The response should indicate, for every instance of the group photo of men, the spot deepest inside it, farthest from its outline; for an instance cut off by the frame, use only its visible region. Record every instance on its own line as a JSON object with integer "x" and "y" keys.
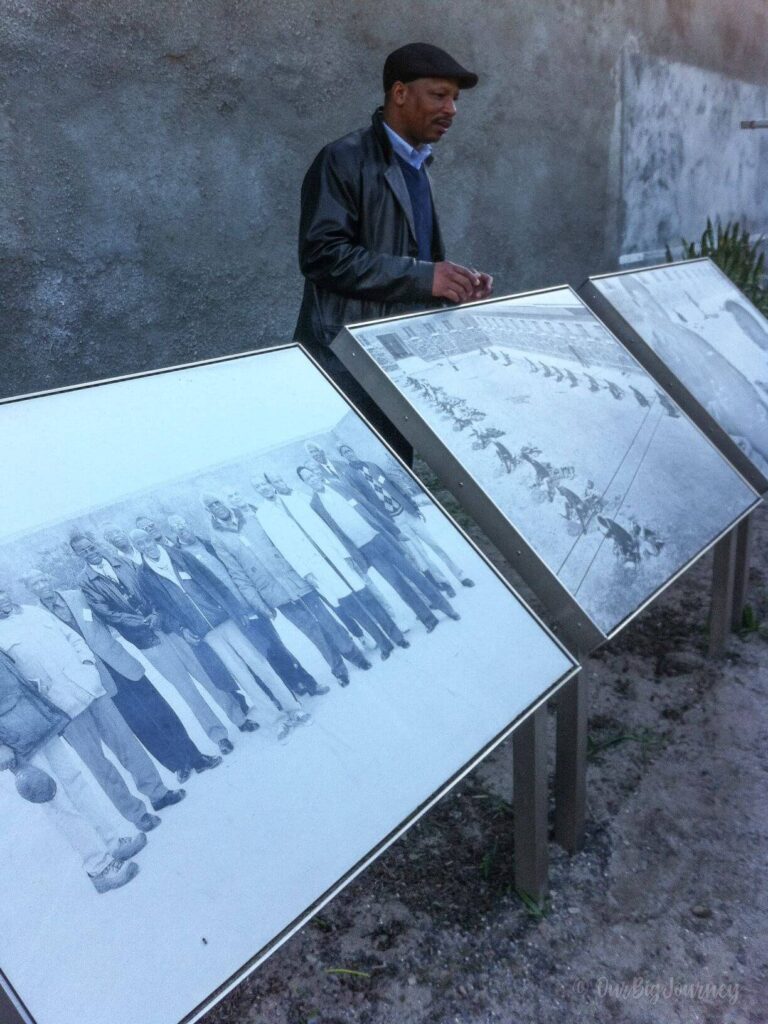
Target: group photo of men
{"x": 201, "y": 591}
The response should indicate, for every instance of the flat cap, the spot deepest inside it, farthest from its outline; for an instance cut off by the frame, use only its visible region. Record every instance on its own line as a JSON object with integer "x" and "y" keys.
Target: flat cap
{"x": 422, "y": 60}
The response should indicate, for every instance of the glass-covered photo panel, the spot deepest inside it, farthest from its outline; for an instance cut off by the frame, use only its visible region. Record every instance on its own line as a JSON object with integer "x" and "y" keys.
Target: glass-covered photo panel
{"x": 706, "y": 333}
{"x": 591, "y": 463}
{"x": 241, "y": 649}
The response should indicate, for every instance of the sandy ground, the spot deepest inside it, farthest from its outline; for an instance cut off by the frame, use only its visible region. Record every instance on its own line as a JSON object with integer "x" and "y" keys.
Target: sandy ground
{"x": 661, "y": 918}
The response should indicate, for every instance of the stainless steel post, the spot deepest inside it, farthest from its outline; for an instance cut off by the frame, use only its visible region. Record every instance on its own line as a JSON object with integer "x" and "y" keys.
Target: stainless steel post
{"x": 721, "y": 607}
{"x": 571, "y": 763}
{"x": 744, "y": 532}
{"x": 529, "y": 751}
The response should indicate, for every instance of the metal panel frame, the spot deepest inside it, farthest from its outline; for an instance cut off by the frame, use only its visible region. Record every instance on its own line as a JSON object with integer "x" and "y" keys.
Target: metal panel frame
{"x": 568, "y": 618}
{"x": 11, "y": 1003}
{"x": 603, "y": 308}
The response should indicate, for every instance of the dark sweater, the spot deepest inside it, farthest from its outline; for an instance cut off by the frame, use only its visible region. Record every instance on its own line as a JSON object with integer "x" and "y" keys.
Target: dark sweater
{"x": 421, "y": 204}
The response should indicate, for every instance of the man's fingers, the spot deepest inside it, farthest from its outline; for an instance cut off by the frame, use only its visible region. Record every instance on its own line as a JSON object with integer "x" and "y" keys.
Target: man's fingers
{"x": 464, "y": 285}
{"x": 470, "y": 275}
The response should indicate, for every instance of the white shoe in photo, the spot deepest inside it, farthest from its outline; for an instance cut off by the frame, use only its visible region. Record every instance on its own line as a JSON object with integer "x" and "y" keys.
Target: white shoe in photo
{"x": 116, "y": 874}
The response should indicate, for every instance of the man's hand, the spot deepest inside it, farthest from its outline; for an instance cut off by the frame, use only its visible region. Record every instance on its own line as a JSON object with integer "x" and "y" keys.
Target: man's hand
{"x": 312, "y": 581}
{"x": 189, "y": 636}
{"x": 458, "y": 284}
{"x": 485, "y": 288}
{"x": 7, "y": 758}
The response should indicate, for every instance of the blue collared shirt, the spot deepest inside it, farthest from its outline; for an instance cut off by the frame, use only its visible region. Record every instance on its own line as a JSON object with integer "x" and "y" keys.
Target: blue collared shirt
{"x": 414, "y": 157}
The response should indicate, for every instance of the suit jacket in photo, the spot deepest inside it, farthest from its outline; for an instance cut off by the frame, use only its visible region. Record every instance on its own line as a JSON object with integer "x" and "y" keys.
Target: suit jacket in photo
{"x": 53, "y": 657}
{"x": 261, "y": 573}
{"x": 199, "y": 604}
{"x": 119, "y": 604}
{"x": 109, "y": 652}
{"x": 374, "y": 520}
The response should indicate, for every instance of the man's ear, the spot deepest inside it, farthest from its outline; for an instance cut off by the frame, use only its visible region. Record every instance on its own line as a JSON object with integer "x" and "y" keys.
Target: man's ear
{"x": 397, "y": 93}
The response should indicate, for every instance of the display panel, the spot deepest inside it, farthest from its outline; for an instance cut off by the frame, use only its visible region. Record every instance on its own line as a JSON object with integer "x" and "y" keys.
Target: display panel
{"x": 703, "y": 330}
{"x": 531, "y": 406}
{"x": 184, "y": 556}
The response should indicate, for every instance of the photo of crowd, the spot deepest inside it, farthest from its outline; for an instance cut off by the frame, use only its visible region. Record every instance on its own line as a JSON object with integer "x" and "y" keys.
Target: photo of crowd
{"x": 169, "y": 652}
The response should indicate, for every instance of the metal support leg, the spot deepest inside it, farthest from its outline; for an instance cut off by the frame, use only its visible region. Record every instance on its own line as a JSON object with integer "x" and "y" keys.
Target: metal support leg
{"x": 721, "y": 608}
{"x": 744, "y": 533}
{"x": 571, "y": 763}
{"x": 529, "y": 751}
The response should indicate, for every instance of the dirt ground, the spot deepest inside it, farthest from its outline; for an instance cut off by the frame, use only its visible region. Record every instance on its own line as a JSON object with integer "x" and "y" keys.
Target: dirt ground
{"x": 662, "y": 918}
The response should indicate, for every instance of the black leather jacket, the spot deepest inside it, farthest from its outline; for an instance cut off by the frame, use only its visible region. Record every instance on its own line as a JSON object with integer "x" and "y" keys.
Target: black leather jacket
{"x": 357, "y": 244}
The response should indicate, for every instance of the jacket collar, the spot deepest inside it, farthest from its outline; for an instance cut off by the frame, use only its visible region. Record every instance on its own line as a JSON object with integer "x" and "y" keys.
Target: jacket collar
{"x": 380, "y": 133}
{"x": 393, "y": 175}
{"x": 116, "y": 563}
{"x": 233, "y": 525}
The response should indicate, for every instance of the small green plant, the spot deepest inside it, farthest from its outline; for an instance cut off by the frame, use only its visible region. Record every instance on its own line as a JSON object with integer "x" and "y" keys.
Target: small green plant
{"x": 737, "y": 255}
{"x": 537, "y": 909}
{"x": 751, "y": 625}
{"x": 648, "y": 740}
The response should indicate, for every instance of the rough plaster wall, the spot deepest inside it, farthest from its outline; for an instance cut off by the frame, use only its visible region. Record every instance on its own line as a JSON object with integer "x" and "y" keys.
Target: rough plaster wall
{"x": 152, "y": 154}
{"x": 683, "y": 158}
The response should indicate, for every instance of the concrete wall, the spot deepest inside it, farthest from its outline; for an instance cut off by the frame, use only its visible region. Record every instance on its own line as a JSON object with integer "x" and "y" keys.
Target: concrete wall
{"x": 152, "y": 154}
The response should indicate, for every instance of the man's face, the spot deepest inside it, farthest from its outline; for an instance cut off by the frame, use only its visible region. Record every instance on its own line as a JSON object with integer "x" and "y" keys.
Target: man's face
{"x": 265, "y": 489}
{"x": 87, "y": 550}
{"x": 219, "y": 510}
{"x": 347, "y": 453}
{"x": 185, "y": 534}
{"x": 236, "y": 500}
{"x": 6, "y": 604}
{"x": 316, "y": 452}
{"x": 312, "y": 477}
{"x": 279, "y": 484}
{"x": 150, "y": 526}
{"x": 148, "y": 546}
{"x": 117, "y": 538}
{"x": 42, "y": 587}
{"x": 426, "y": 108}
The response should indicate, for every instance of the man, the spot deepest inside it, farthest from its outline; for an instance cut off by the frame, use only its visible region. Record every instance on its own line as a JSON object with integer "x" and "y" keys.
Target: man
{"x": 191, "y": 601}
{"x": 57, "y": 662}
{"x": 373, "y": 547}
{"x": 397, "y": 499}
{"x": 121, "y": 543}
{"x": 335, "y": 475}
{"x": 318, "y": 555}
{"x": 109, "y": 586}
{"x": 369, "y": 239}
{"x": 150, "y": 526}
{"x": 30, "y": 728}
{"x": 269, "y": 584}
{"x": 258, "y": 627}
{"x": 100, "y": 721}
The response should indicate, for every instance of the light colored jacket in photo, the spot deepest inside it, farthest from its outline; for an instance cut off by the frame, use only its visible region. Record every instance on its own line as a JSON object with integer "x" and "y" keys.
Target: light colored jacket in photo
{"x": 53, "y": 657}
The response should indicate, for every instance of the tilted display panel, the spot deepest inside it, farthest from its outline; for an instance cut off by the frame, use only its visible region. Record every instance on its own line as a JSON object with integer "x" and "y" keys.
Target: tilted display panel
{"x": 584, "y": 472}
{"x": 184, "y": 553}
{"x": 707, "y": 344}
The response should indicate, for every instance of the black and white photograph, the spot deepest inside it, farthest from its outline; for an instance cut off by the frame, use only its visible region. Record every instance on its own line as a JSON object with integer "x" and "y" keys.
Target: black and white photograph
{"x": 709, "y": 335}
{"x": 597, "y": 468}
{"x": 240, "y": 646}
